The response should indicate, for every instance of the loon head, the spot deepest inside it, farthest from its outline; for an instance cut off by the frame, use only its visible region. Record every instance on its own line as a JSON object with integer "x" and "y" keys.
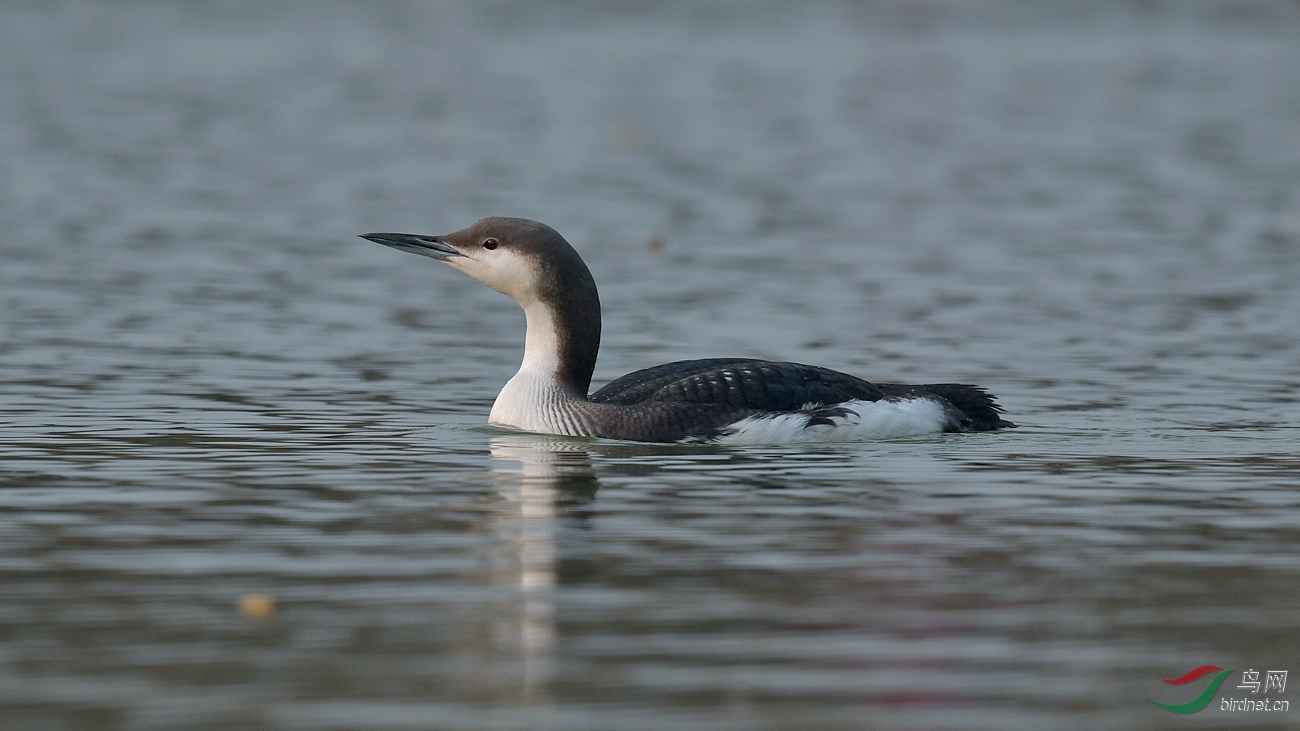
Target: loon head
{"x": 532, "y": 264}
{"x": 525, "y": 260}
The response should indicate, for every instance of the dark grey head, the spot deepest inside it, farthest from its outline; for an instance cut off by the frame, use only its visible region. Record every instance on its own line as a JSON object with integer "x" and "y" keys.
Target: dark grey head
{"x": 532, "y": 264}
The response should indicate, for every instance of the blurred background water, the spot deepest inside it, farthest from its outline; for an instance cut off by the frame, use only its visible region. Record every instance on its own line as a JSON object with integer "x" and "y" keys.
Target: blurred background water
{"x": 209, "y": 388}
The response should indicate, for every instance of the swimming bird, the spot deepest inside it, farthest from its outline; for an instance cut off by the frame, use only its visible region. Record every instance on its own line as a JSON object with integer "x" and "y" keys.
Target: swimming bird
{"x": 728, "y": 400}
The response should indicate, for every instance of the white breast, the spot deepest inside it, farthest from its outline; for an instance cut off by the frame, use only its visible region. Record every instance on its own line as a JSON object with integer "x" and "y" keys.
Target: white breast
{"x": 535, "y": 403}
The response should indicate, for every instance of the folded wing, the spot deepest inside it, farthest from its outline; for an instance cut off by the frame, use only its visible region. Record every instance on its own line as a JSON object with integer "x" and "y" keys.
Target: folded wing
{"x": 772, "y": 386}
{"x": 739, "y": 382}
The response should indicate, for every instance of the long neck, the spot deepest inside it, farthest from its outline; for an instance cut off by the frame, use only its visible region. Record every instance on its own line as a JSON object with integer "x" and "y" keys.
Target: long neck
{"x": 563, "y": 337}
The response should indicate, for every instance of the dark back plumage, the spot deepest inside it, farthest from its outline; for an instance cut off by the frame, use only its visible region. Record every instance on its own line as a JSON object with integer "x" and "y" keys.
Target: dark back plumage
{"x": 770, "y": 386}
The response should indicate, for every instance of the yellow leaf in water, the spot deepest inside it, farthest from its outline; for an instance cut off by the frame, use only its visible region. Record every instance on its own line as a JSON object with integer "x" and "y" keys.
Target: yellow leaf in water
{"x": 256, "y": 605}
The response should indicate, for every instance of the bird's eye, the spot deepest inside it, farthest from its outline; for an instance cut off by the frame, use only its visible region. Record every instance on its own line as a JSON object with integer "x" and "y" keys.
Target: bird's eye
{"x": 490, "y": 244}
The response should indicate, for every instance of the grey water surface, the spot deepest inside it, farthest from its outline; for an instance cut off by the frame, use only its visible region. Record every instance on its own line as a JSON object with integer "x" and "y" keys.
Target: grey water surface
{"x": 209, "y": 388}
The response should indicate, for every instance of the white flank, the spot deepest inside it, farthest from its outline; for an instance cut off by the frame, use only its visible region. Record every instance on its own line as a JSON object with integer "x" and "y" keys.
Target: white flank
{"x": 874, "y": 420}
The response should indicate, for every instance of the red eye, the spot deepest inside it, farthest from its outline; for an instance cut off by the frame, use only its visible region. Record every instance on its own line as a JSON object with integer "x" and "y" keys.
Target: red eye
{"x": 491, "y": 244}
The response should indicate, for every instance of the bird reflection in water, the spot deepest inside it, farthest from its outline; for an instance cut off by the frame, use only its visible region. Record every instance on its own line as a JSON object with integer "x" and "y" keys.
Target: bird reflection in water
{"x": 538, "y": 479}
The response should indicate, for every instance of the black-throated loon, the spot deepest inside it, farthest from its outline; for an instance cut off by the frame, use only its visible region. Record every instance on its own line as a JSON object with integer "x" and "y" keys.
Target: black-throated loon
{"x": 730, "y": 400}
